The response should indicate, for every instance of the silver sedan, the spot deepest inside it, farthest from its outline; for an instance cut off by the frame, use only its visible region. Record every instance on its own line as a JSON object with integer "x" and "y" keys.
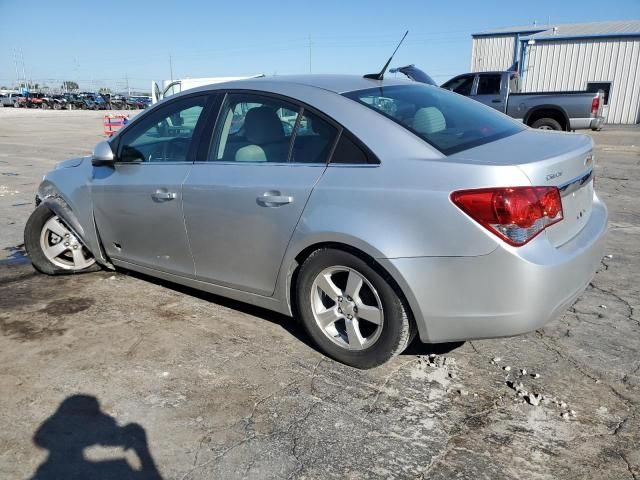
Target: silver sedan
{"x": 372, "y": 211}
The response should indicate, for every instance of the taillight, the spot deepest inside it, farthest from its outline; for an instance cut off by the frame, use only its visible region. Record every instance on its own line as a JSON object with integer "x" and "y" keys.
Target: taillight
{"x": 515, "y": 214}
{"x": 595, "y": 105}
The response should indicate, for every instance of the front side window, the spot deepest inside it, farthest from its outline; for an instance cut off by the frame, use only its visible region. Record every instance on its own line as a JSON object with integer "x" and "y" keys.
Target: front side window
{"x": 489, "y": 84}
{"x": 461, "y": 85}
{"x": 449, "y": 122}
{"x": 164, "y": 135}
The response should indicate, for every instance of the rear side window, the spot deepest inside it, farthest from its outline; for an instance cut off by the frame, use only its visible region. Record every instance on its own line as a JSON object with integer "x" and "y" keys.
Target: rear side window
{"x": 489, "y": 84}
{"x": 461, "y": 85}
{"x": 347, "y": 151}
{"x": 449, "y": 122}
{"x": 254, "y": 128}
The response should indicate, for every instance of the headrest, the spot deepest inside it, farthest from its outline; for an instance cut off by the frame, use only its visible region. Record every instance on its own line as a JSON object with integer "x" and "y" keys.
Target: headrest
{"x": 262, "y": 125}
{"x": 429, "y": 120}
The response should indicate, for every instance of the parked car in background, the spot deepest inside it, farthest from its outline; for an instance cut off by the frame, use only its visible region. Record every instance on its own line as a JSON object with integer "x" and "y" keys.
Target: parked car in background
{"x": 390, "y": 209}
{"x": 74, "y": 101}
{"x": 54, "y": 102}
{"x": 571, "y": 110}
{"x": 31, "y": 100}
{"x": 9, "y": 99}
{"x": 134, "y": 103}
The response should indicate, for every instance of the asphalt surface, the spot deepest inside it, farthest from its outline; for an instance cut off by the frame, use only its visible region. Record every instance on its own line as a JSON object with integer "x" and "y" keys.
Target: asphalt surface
{"x": 116, "y": 375}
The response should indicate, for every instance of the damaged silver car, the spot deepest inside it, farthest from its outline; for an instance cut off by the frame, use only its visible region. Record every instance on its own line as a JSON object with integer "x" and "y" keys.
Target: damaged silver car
{"x": 371, "y": 210}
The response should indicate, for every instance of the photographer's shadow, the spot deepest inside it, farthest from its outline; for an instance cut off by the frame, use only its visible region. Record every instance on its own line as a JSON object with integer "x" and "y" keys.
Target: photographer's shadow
{"x": 78, "y": 424}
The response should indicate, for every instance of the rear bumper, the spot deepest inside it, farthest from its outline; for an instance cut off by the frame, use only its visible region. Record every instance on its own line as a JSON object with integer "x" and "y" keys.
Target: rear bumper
{"x": 507, "y": 292}
{"x": 586, "y": 123}
{"x": 597, "y": 123}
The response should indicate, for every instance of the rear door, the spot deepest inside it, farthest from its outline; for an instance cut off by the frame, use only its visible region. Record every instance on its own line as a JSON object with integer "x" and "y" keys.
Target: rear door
{"x": 137, "y": 202}
{"x": 244, "y": 196}
{"x": 488, "y": 90}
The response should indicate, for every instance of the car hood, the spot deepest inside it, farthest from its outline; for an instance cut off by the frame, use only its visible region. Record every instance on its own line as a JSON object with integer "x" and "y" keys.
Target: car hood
{"x": 71, "y": 163}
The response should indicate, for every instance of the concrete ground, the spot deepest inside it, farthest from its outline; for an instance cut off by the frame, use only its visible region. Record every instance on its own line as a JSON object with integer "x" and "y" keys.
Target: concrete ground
{"x": 122, "y": 376}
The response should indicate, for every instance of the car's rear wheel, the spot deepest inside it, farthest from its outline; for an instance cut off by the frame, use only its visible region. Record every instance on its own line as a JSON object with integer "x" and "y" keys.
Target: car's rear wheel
{"x": 52, "y": 246}
{"x": 547, "y": 124}
{"x": 351, "y": 310}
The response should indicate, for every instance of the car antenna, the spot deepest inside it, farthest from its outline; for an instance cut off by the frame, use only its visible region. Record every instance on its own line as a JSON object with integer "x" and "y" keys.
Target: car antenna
{"x": 380, "y": 76}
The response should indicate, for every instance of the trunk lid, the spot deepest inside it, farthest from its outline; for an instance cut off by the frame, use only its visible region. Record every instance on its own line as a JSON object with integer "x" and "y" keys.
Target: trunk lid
{"x": 548, "y": 158}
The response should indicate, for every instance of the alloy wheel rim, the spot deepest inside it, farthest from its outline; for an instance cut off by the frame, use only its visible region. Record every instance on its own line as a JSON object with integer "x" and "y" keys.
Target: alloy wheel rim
{"x": 347, "y": 308}
{"x": 62, "y": 247}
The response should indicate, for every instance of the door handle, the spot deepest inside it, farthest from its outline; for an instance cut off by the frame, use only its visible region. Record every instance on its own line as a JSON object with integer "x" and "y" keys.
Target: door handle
{"x": 162, "y": 195}
{"x": 496, "y": 101}
{"x": 273, "y": 199}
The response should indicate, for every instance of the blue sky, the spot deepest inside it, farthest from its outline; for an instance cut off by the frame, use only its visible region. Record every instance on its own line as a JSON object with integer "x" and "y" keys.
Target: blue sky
{"x": 104, "y": 43}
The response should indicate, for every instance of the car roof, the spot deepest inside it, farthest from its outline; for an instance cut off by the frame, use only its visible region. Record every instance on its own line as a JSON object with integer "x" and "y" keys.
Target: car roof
{"x": 332, "y": 83}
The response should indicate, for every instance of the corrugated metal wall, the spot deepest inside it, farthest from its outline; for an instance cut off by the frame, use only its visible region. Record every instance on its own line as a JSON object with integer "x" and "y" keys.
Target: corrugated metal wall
{"x": 492, "y": 53}
{"x": 570, "y": 64}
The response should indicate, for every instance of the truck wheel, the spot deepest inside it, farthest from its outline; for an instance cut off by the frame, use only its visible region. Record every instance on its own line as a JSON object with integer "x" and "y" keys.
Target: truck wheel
{"x": 547, "y": 124}
{"x": 53, "y": 248}
{"x": 16, "y": 105}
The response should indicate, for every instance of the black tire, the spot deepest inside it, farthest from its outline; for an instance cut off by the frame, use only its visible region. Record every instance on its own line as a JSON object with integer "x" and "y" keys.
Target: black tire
{"x": 547, "y": 124}
{"x": 32, "y": 232}
{"x": 397, "y": 328}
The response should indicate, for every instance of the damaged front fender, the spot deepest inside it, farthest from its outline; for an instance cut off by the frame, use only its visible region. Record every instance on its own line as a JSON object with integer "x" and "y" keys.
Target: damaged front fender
{"x": 67, "y": 193}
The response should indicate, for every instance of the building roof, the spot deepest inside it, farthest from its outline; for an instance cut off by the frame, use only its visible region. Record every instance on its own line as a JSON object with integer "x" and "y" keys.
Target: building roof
{"x": 570, "y": 30}
{"x": 512, "y": 30}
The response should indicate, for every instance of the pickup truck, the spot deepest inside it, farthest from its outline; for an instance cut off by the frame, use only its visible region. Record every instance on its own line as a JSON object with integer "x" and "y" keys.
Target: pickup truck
{"x": 9, "y": 99}
{"x": 570, "y": 110}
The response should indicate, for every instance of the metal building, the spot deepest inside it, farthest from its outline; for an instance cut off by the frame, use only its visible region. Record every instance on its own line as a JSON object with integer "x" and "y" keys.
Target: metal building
{"x": 580, "y": 56}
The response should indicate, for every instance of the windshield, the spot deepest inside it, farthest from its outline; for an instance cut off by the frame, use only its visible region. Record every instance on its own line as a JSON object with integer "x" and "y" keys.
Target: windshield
{"x": 448, "y": 121}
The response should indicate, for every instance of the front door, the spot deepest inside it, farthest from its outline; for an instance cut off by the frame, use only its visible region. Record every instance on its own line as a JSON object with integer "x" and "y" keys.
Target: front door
{"x": 243, "y": 202}
{"x": 138, "y": 202}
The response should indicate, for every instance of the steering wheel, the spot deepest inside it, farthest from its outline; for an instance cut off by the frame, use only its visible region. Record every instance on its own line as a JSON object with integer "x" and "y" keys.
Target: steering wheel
{"x": 158, "y": 153}
{"x": 171, "y": 150}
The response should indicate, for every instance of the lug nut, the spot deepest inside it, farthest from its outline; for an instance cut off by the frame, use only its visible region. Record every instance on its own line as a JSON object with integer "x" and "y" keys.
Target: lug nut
{"x": 66, "y": 235}
{"x": 66, "y": 244}
{"x": 339, "y": 299}
{"x": 75, "y": 247}
{"x": 349, "y": 317}
{"x": 339, "y": 310}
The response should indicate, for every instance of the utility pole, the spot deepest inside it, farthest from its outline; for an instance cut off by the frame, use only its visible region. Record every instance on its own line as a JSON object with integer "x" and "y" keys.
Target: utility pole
{"x": 15, "y": 63}
{"x": 24, "y": 75}
{"x": 309, "y": 53}
{"x": 171, "y": 67}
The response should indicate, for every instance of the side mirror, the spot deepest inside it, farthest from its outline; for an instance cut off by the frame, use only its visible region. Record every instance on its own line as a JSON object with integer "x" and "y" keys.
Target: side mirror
{"x": 102, "y": 154}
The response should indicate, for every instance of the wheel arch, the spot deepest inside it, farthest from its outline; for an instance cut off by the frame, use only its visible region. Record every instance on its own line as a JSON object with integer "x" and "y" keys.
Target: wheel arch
{"x": 52, "y": 197}
{"x": 363, "y": 251}
{"x": 548, "y": 111}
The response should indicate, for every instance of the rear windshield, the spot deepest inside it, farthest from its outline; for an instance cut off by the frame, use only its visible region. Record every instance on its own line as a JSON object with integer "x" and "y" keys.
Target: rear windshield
{"x": 446, "y": 120}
